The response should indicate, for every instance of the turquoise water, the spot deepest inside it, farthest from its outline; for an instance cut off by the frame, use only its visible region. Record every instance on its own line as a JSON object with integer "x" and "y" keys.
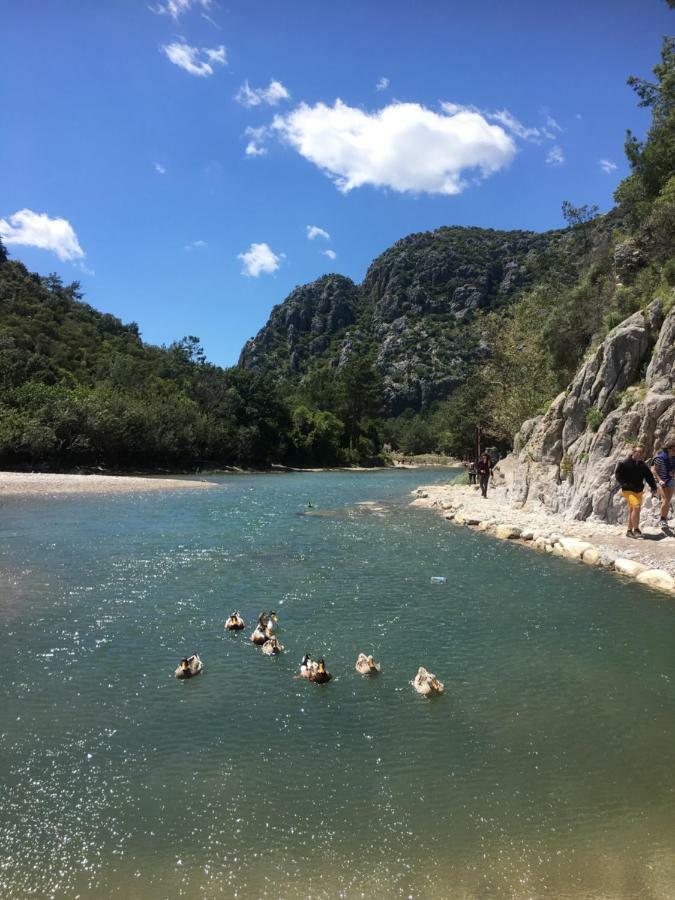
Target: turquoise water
{"x": 546, "y": 769}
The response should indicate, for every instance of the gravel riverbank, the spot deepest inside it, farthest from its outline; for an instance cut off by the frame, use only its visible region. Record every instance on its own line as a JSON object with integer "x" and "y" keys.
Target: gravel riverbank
{"x": 45, "y": 484}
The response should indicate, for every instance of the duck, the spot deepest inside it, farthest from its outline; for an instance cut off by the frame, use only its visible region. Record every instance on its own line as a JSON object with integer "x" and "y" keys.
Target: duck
{"x": 366, "y": 665}
{"x": 307, "y": 666}
{"x": 235, "y": 622}
{"x": 320, "y": 675}
{"x": 427, "y": 684}
{"x": 272, "y": 646}
{"x": 260, "y": 634}
{"x": 268, "y": 621}
{"x": 187, "y": 667}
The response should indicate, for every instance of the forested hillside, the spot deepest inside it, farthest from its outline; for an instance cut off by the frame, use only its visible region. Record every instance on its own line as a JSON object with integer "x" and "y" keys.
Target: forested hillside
{"x": 451, "y": 332}
{"x": 80, "y": 388}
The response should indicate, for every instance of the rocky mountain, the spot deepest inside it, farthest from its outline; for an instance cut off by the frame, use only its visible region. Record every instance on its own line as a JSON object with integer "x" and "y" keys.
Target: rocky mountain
{"x": 564, "y": 460}
{"x": 414, "y": 312}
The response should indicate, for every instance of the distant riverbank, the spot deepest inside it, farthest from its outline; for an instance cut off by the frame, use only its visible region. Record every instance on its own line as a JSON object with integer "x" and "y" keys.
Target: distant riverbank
{"x": 47, "y": 483}
{"x": 650, "y": 560}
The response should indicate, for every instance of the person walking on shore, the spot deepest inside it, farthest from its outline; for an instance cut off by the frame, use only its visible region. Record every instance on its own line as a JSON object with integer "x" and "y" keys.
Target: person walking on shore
{"x": 631, "y": 473}
{"x": 664, "y": 470}
{"x": 485, "y": 472}
{"x": 471, "y": 468}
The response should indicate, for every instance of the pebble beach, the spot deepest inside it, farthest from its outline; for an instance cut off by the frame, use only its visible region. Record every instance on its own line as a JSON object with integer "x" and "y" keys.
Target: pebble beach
{"x": 13, "y": 484}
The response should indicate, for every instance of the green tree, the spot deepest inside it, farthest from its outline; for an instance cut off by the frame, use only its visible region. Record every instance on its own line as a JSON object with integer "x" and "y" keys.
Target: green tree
{"x": 652, "y": 161}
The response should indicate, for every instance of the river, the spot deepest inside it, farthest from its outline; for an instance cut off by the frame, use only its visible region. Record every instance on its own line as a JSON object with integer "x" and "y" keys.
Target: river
{"x": 545, "y": 770}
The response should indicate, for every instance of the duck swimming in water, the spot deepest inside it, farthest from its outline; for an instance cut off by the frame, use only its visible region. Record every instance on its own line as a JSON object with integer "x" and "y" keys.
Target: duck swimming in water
{"x": 260, "y": 635}
{"x": 307, "y": 666}
{"x": 427, "y": 684}
{"x": 235, "y": 622}
{"x": 272, "y": 646}
{"x": 268, "y": 621}
{"x": 192, "y": 665}
{"x": 366, "y": 665}
{"x": 320, "y": 675}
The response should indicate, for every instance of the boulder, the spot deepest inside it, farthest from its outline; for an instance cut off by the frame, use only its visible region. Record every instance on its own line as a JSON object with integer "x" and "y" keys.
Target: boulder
{"x": 574, "y": 548}
{"x": 528, "y": 534}
{"x": 657, "y": 578}
{"x": 459, "y": 519}
{"x": 629, "y": 567}
{"x": 507, "y": 532}
{"x": 591, "y": 556}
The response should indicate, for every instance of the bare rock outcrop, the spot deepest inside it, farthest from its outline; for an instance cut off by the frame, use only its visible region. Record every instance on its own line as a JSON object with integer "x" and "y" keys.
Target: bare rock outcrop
{"x": 564, "y": 461}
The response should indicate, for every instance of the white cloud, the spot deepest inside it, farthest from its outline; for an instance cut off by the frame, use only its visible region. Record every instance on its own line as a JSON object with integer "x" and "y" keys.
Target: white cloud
{"x": 382, "y": 84}
{"x": 260, "y": 258}
{"x": 176, "y": 8}
{"x": 252, "y": 149}
{"x": 552, "y": 124}
{"x": 195, "y": 245}
{"x": 273, "y": 94}
{"x": 403, "y": 146}
{"x": 160, "y": 168}
{"x": 313, "y": 231}
{"x": 32, "y": 229}
{"x": 258, "y": 136}
{"x": 331, "y": 254}
{"x": 555, "y": 156}
{"x": 194, "y": 60}
{"x": 509, "y": 121}
{"x": 607, "y": 166}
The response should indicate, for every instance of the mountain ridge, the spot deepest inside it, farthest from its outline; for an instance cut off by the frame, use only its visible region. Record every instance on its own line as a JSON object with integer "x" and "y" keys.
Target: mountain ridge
{"x": 438, "y": 278}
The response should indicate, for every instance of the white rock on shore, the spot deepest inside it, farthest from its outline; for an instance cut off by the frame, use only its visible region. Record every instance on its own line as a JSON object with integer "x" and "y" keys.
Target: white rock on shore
{"x": 657, "y": 578}
{"x": 629, "y": 567}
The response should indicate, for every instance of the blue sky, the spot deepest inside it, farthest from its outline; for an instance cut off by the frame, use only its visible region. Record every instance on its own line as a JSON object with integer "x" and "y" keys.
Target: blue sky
{"x": 125, "y": 125}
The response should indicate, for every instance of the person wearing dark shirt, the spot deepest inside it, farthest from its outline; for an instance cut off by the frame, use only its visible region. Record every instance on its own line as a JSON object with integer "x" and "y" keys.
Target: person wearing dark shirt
{"x": 484, "y": 471}
{"x": 631, "y": 473}
{"x": 664, "y": 470}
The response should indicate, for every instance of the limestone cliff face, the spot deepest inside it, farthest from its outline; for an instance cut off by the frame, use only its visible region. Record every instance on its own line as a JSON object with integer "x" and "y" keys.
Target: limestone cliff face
{"x": 413, "y": 310}
{"x": 302, "y": 326}
{"x": 565, "y": 459}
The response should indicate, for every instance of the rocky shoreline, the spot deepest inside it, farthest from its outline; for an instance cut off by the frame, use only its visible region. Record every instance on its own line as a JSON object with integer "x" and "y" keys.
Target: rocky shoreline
{"x": 650, "y": 560}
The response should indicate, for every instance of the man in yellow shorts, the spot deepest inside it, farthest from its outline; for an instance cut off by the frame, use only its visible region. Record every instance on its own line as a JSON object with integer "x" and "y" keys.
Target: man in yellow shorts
{"x": 631, "y": 473}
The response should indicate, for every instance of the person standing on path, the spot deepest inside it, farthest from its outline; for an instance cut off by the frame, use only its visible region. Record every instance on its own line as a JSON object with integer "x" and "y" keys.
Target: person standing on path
{"x": 664, "y": 470}
{"x": 485, "y": 472}
{"x": 631, "y": 473}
